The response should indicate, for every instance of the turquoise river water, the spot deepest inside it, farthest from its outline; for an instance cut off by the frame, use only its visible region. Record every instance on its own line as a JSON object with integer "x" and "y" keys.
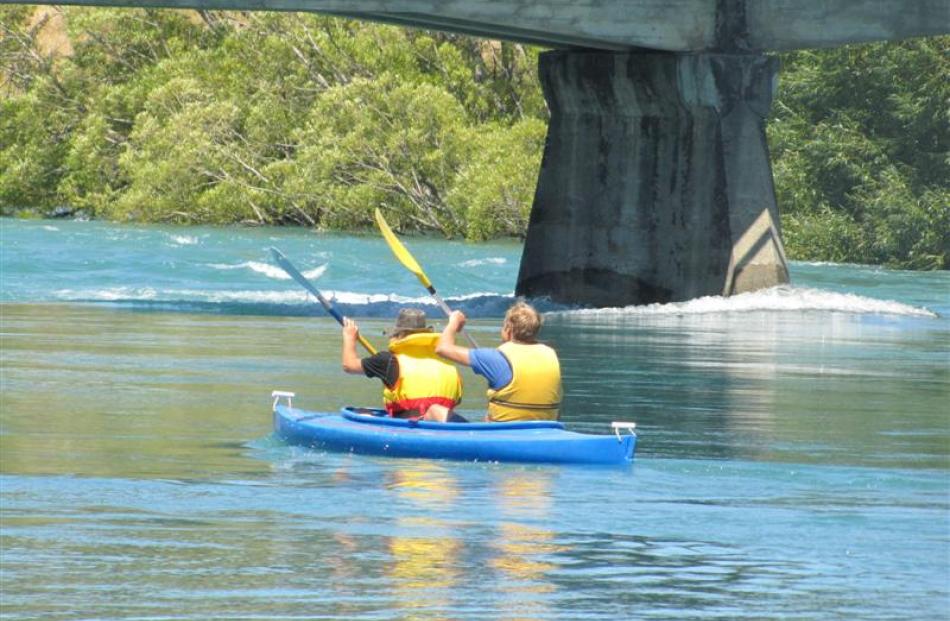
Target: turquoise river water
{"x": 793, "y": 458}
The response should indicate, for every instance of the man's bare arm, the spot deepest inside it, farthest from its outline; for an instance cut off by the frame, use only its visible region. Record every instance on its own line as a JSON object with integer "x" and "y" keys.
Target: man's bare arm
{"x": 446, "y": 346}
{"x": 351, "y": 360}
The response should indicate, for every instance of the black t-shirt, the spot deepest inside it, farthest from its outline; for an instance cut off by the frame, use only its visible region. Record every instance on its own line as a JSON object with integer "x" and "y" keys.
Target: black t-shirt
{"x": 383, "y": 365}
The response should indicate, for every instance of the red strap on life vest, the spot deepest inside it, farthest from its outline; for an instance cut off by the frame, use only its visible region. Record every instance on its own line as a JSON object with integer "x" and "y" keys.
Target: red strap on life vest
{"x": 400, "y": 408}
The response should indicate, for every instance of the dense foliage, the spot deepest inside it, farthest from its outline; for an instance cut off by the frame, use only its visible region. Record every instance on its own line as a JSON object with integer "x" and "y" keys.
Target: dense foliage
{"x": 860, "y": 141}
{"x": 178, "y": 116}
{"x": 218, "y": 117}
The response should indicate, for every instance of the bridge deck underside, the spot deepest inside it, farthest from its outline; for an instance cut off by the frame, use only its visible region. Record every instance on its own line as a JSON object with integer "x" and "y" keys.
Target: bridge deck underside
{"x": 615, "y": 25}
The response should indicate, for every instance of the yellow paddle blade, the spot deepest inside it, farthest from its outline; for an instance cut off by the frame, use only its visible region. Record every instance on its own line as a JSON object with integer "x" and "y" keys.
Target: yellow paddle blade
{"x": 400, "y": 251}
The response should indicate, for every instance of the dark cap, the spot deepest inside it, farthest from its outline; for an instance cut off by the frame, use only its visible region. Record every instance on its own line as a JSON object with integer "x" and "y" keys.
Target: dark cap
{"x": 409, "y": 320}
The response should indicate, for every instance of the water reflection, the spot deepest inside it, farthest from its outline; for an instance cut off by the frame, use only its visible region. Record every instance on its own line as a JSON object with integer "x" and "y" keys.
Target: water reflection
{"x": 427, "y": 484}
{"x": 522, "y": 546}
{"x": 424, "y": 553}
{"x": 663, "y": 578}
{"x": 810, "y": 387}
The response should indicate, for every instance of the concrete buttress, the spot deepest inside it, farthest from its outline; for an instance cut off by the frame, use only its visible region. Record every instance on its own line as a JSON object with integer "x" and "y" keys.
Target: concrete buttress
{"x": 655, "y": 185}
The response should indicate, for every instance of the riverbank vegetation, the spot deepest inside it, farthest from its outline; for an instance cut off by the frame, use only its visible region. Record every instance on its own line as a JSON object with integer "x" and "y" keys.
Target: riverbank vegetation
{"x": 275, "y": 118}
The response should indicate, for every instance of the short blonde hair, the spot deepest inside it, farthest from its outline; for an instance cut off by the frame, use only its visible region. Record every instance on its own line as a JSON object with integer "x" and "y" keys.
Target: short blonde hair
{"x": 523, "y": 321}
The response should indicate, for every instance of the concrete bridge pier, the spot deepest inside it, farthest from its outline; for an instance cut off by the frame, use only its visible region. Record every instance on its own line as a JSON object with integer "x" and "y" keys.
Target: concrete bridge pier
{"x": 655, "y": 184}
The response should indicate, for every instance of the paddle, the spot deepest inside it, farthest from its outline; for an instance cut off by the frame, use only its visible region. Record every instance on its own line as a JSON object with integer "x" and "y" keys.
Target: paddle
{"x": 402, "y": 254}
{"x": 292, "y": 271}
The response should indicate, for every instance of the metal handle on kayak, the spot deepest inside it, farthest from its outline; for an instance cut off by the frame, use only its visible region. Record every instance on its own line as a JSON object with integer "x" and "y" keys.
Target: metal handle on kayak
{"x": 617, "y": 426}
{"x": 277, "y": 394}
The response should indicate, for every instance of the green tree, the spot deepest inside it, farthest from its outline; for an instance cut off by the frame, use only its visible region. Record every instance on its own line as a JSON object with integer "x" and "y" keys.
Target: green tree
{"x": 38, "y": 112}
{"x": 860, "y": 142}
{"x": 495, "y": 187}
{"x": 382, "y": 143}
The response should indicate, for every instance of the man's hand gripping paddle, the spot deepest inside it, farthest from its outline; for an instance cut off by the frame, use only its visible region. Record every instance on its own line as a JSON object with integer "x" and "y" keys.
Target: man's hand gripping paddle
{"x": 404, "y": 257}
{"x": 292, "y": 271}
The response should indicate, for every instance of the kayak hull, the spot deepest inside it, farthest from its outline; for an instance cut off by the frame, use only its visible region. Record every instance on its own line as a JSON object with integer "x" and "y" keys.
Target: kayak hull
{"x": 368, "y": 431}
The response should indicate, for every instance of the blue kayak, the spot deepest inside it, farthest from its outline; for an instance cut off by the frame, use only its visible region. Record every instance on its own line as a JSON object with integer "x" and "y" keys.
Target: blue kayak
{"x": 370, "y": 431}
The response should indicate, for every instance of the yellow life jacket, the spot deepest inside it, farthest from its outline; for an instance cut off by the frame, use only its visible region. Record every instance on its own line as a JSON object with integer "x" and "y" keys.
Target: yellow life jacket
{"x": 534, "y": 392}
{"x": 424, "y": 378}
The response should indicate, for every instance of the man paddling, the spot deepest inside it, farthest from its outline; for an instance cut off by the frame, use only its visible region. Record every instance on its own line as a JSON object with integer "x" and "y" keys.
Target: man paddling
{"x": 524, "y": 376}
{"x": 417, "y": 384}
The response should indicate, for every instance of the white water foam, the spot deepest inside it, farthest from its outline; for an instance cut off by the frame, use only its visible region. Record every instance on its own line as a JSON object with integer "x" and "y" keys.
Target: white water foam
{"x": 271, "y": 271}
{"x": 47, "y": 227}
{"x": 488, "y": 261}
{"x": 111, "y": 294}
{"x": 141, "y": 294}
{"x": 350, "y": 297}
{"x": 251, "y": 296}
{"x": 247, "y": 296}
{"x": 877, "y": 268}
{"x": 184, "y": 240}
{"x": 820, "y": 264}
{"x": 358, "y": 304}
{"x": 776, "y": 299}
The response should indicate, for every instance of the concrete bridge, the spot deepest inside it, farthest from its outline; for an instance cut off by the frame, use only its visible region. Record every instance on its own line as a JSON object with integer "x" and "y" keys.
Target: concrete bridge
{"x": 655, "y": 184}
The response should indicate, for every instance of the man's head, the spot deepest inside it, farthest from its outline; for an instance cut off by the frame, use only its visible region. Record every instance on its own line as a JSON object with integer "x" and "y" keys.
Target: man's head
{"x": 522, "y": 323}
{"x": 409, "y": 321}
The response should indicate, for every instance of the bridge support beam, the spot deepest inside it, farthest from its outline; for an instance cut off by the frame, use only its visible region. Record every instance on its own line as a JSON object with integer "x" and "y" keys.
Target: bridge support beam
{"x": 655, "y": 184}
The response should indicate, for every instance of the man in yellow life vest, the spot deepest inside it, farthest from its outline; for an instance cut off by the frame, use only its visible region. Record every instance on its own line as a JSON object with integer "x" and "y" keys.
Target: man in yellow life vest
{"x": 524, "y": 376}
{"x": 417, "y": 383}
